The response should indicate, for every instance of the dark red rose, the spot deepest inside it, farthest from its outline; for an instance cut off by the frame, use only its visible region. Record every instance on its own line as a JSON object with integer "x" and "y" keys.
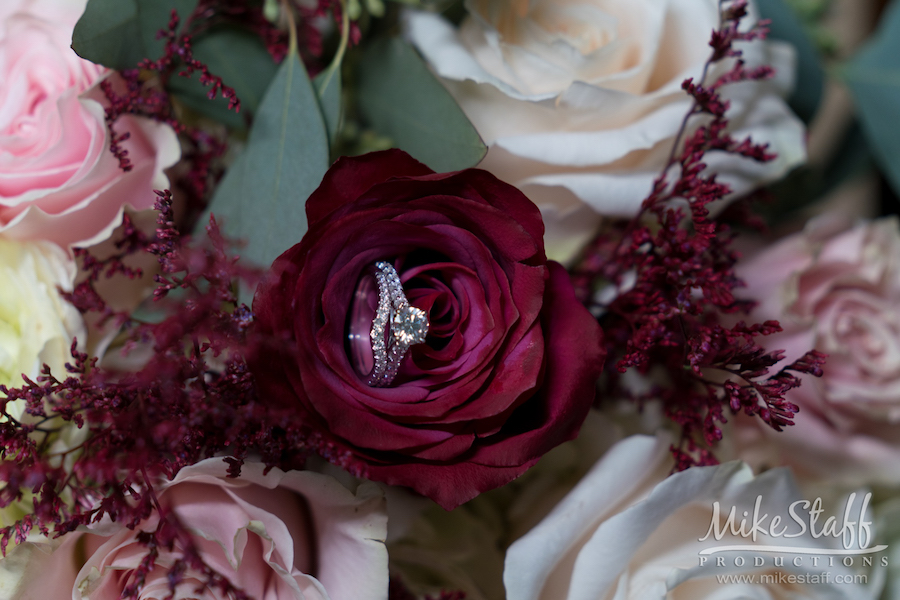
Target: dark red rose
{"x": 509, "y": 366}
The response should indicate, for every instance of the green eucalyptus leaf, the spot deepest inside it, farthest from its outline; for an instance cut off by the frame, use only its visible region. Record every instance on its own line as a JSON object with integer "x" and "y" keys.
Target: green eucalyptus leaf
{"x": 262, "y": 197}
{"x": 401, "y": 99}
{"x": 240, "y": 58}
{"x": 786, "y": 26}
{"x": 120, "y": 33}
{"x": 328, "y": 88}
{"x": 873, "y": 77}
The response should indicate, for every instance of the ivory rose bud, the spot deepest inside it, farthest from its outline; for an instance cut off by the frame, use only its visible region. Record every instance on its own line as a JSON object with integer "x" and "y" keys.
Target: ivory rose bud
{"x": 629, "y": 531}
{"x": 58, "y": 179}
{"x": 580, "y": 102}
{"x": 291, "y": 536}
{"x": 837, "y": 290}
{"x": 36, "y": 325}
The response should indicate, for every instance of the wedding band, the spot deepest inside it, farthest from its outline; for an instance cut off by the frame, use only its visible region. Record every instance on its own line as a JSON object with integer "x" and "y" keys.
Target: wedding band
{"x": 395, "y": 326}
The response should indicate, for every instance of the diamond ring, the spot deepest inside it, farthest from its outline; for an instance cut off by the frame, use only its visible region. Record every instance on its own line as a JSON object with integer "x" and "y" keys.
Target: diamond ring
{"x": 395, "y": 326}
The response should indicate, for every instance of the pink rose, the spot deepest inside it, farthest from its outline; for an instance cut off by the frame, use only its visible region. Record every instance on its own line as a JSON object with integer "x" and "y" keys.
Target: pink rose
{"x": 838, "y": 291}
{"x": 58, "y": 179}
{"x": 297, "y": 535}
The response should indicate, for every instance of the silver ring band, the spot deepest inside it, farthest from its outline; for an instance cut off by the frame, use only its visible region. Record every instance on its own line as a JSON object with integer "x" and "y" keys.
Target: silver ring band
{"x": 395, "y": 328}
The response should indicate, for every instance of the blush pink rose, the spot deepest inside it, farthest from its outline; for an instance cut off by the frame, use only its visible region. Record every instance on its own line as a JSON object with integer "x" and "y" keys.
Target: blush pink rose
{"x": 285, "y": 536}
{"x": 837, "y": 290}
{"x": 58, "y": 179}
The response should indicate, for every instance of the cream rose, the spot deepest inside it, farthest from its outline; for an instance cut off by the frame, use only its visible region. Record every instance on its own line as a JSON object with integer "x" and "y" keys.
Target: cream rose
{"x": 36, "y": 325}
{"x": 627, "y": 531}
{"x": 836, "y": 289}
{"x": 58, "y": 179}
{"x": 297, "y": 535}
{"x": 579, "y": 101}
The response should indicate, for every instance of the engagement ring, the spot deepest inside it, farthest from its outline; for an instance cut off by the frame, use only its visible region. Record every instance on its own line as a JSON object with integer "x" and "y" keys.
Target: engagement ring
{"x": 381, "y": 335}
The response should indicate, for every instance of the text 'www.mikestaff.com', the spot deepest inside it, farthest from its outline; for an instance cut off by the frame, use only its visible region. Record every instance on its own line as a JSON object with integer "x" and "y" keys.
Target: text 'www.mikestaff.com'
{"x": 794, "y": 578}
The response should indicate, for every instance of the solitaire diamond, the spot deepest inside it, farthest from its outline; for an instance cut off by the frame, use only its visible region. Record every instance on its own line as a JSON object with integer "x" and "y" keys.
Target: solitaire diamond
{"x": 409, "y": 325}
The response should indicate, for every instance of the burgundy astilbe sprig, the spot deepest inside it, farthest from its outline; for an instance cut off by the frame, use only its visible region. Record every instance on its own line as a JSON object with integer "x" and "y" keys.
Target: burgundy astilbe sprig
{"x": 179, "y": 58}
{"x": 663, "y": 284}
{"x": 143, "y": 91}
{"x": 310, "y": 29}
{"x": 192, "y": 398}
{"x": 85, "y": 296}
{"x": 246, "y": 14}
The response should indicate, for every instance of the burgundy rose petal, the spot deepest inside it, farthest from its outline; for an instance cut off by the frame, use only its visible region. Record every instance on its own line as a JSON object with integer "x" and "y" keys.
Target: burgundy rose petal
{"x": 350, "y": 177}
{"x": 575, "y": 356}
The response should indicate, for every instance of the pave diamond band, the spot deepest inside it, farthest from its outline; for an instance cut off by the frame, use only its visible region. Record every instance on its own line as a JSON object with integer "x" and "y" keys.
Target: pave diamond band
{"x": 395, "y": 326}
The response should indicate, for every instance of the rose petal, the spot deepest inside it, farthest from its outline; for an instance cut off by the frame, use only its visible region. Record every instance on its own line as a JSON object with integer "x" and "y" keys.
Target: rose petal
{"x": 347, "y": 179}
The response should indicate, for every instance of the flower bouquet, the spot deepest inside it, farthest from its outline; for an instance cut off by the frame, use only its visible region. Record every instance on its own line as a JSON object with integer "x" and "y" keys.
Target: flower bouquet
{"x": 330, "y": 299}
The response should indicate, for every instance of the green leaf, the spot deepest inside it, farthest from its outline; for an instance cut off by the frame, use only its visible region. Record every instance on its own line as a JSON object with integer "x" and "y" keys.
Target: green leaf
{"x": 240, "y": 58}
{"x": 120, "y": 33}
{"x": 873, "y": 77}
{"x": 262, "y": 197}
{"x": 328, "y": 88}
{"x": 400, "y": 98}
{"x": 786, "y": 26}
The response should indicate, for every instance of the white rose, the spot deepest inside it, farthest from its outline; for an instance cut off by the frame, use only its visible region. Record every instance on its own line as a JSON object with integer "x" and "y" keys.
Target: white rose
{"x": 627, "y": 531}
{"x": 580, "y": 101}
{"x": 36, "y": 325}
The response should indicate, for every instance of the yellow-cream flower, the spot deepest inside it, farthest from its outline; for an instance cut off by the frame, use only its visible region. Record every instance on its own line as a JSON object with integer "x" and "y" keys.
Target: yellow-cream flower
{"x": 37, "y": 325}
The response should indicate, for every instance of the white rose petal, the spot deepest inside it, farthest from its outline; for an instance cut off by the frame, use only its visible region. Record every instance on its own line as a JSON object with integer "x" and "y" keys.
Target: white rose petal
{"x": 627, "y": 531}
